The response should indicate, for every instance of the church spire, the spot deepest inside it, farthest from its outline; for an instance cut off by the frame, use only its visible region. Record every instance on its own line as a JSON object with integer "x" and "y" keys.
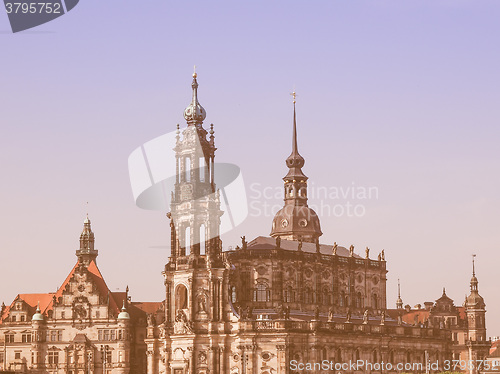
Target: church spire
{"x": 473, "y": 281}
{"x": 195, "y": 113}
{"x": 296, "y": 221}
{"x": 86, "y": 253}
{"x": 295, "y": 161}
{"x": 399, "y": 301}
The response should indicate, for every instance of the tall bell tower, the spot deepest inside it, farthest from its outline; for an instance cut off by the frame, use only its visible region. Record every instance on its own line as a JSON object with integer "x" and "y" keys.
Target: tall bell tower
{"x": 475, "y": 309}
{"x": 196, "y": 280}
{"x": 195, "y": 207}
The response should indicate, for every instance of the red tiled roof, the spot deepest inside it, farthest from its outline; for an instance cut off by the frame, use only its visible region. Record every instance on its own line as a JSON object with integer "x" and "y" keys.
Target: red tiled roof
{"x": 148, "y": 307}
{"x": 32, "y": 299}
{"x": 46, "y": 299}
{"x": 417, "y": 315}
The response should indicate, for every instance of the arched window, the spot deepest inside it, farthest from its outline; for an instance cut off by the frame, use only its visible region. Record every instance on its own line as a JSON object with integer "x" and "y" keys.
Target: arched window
{"x": 187, "y": 240}
{"x": 233, "y": 294}
{"x": 342, "y": 298}
{"x": 408, "y": 356}
{"x": 338, "y": 355}
{"x": 288, "y": 295}
{"x": 202, "y": 239}
{"x": 357, "y": 355}
{"x": 325, "y": 297}
{"x": 187, "y": 168}
{"x": 359, "y": 303}
{"x": 201, "y": 167}
{"x": 262, "y": 293}
{"x": 181, "y": 296}
{"x": 324, "y": 355}
{"x": 374, "y": 301}
{"x": 308, "y": 296}
{"x": 391, "y": 357}
{"x": 375, "y": 356}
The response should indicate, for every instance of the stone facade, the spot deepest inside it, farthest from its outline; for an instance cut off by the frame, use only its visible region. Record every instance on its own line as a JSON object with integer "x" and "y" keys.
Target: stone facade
{"x": 274, "y": 305}
{"x": 274, "y": 302}
{"x": 83, "y": 327}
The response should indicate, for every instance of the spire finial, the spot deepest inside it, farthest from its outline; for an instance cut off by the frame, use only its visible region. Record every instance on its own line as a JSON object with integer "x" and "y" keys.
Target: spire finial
{"x": 295, "y": 148}
{"x": 194, "y": 113}
{"x": 473, "y": 266}
{"x": 399, "y": 289}
{"x": 194, "y": 72}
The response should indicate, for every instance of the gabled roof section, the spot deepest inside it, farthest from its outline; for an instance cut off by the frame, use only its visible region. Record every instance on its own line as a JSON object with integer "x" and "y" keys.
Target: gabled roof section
{"x": 46, "y": 300}
{"x": 32, "y": 300}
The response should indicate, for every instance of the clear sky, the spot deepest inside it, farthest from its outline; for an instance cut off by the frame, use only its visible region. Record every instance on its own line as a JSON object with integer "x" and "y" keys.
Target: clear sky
{"x": 397, "y": 95}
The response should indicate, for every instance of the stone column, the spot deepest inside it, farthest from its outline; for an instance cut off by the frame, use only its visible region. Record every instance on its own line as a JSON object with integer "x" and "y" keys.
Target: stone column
{"x": 281, "y": 359}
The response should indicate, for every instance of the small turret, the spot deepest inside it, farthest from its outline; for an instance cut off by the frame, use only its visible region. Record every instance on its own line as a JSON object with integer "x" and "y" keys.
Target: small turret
{"x": 399, "y": 301}
{"x": 86, "y": 253}
{"x": 124, "y": 314}
{"x": 38, "y": 316}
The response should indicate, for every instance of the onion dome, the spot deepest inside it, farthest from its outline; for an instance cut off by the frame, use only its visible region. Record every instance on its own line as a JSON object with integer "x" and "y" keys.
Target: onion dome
{"x": 123, "y": 314}
{"x": 38, "y": 316}
{"x": 474, "y": 300}
{"x": 195, "y": 113}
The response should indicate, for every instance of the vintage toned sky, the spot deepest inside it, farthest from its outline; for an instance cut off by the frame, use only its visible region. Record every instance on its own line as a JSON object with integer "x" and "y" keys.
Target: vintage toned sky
{"x": 398, "y": 96}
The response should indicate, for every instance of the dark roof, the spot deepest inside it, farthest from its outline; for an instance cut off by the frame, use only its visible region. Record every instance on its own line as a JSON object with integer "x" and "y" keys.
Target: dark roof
{"x": 264, "y": 242}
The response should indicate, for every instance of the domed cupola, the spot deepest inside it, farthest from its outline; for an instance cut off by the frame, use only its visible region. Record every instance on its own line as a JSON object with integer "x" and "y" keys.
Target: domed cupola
{"x": 296, "y": 221}
{"x": 474, "y": 300}
{"x": 38, "y": 316}
{"x": 195, "y": 114}
{"x": 124, "y": 314}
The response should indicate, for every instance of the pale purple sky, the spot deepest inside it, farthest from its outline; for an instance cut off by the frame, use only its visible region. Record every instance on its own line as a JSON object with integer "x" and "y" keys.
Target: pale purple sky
{"x": 401, "y": 96}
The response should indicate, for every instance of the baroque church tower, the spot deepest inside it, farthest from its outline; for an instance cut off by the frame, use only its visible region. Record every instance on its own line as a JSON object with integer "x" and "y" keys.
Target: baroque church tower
{"x": 296, "y": 221}
{"x": 475, "y": 309}
{"x": 195, "y": 281}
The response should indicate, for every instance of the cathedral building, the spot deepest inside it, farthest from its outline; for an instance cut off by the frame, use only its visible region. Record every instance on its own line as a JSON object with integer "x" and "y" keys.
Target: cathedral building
{"x": 278, "y": 304}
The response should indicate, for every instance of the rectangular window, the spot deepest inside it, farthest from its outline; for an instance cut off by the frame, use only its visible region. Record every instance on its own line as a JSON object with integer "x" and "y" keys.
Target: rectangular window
{"x": 108, "y": 357}
{"x": 106, "y": 335}
{"x": 112, "y": 335}
{"x": 99, "y": 335}
{"x": 53, "y": 358}
{"x": 17, "y": 355}
{"x": 1, "y": 357}
{"x": 96, "y": 314}
{"x": 26, "y": 338}
{"x": 23, "y": 318}
{"x": 53, "y": 336}
{"x": 63, "y": 315}
{"x": 9, "y": 338}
